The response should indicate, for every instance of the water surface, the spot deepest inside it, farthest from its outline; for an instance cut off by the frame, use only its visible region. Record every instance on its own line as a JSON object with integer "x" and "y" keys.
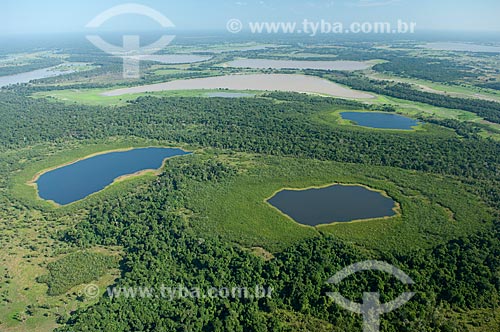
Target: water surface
{"x": 235, "y": 48}
{"x": 254, "y": 82}
{"x": 31, "y": 75}
{"x": 337, "y": 203}
{"x": 380, "y": 120}
{"x": 76, "y": 181}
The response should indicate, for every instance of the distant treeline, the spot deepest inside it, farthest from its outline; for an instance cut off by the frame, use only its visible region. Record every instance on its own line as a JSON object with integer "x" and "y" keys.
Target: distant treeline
{"x": 398, "y": 62}
{"x": 491, "y": 85}
{"x": 437, "y": 70}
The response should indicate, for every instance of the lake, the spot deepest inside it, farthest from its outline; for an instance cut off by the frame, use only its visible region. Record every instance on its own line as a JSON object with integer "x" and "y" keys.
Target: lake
{"x": 235, "y": 48}
{"x": 78, "y": 180}
{"x": 380, "y": 120}
{"x": 31, "y": 75}
{"x": 255, "y": 82}
{"x": 299, "y": 64}
{"x": 337, "y": 203}
{"x": 462, "y": 47}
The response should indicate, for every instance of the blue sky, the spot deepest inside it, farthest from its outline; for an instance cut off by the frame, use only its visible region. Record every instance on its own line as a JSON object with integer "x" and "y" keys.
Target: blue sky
{"x": 35, "y": 16}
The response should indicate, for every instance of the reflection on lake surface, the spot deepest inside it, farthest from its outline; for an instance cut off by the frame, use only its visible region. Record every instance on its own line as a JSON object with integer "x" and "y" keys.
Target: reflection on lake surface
{"x": 380, "y": 120}
{"x": 337, "y": 203}
{"x": 254, "y": 82}
{"x": 76, "y": 181}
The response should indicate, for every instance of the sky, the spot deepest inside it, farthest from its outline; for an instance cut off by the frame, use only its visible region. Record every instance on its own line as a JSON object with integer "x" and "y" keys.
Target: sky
{"x": 63, "y": 16}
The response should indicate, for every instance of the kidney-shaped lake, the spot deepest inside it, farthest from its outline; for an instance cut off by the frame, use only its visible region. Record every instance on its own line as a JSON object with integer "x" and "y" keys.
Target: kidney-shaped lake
{"x": 336, "y": 203}
{"x": 380, "y": 120}
{"x": 78, "y": 180}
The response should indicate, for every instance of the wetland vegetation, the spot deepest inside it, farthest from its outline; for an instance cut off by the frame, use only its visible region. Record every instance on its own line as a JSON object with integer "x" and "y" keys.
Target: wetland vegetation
{"x": 205, "y": 219}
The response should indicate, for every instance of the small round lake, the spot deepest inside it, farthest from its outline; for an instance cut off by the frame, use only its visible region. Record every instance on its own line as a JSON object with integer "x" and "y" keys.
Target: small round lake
{"x": 336, "y": 203}
{"x": 380, "y": 120}
{"x": 78, "y": 180}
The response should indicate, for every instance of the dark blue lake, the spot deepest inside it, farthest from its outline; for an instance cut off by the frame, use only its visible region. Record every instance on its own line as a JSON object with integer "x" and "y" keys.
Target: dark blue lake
{"x": 380, "y": 120}
{"x": 336, "y": 203}
{"x": 76, "y": 181}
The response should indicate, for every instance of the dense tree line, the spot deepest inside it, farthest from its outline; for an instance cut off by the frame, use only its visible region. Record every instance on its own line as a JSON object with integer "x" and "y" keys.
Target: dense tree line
{"x": 396, "y": 61}
{"x": 462, "y": 128}
{"x": 249, "y": 125}
{"x": 491, "y": 85}
{"x": 437, "y": 70}
{"x": 76, "y": 269}
{"x": 362, "y": 51}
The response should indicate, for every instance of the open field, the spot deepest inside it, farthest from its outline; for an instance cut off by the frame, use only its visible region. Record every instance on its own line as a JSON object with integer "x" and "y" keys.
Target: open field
{"x": 432, "y": 211}
{"x": 439, "y": 88}
{"x": 94, "y": 96}
{"x": 415, "y": 109}
{"x": 424, "y": 110}
{"x": 29, "y": 308}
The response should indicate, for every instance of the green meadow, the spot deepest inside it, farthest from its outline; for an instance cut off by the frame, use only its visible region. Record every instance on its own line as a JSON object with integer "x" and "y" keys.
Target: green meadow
{"x": 433, "y": 209}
